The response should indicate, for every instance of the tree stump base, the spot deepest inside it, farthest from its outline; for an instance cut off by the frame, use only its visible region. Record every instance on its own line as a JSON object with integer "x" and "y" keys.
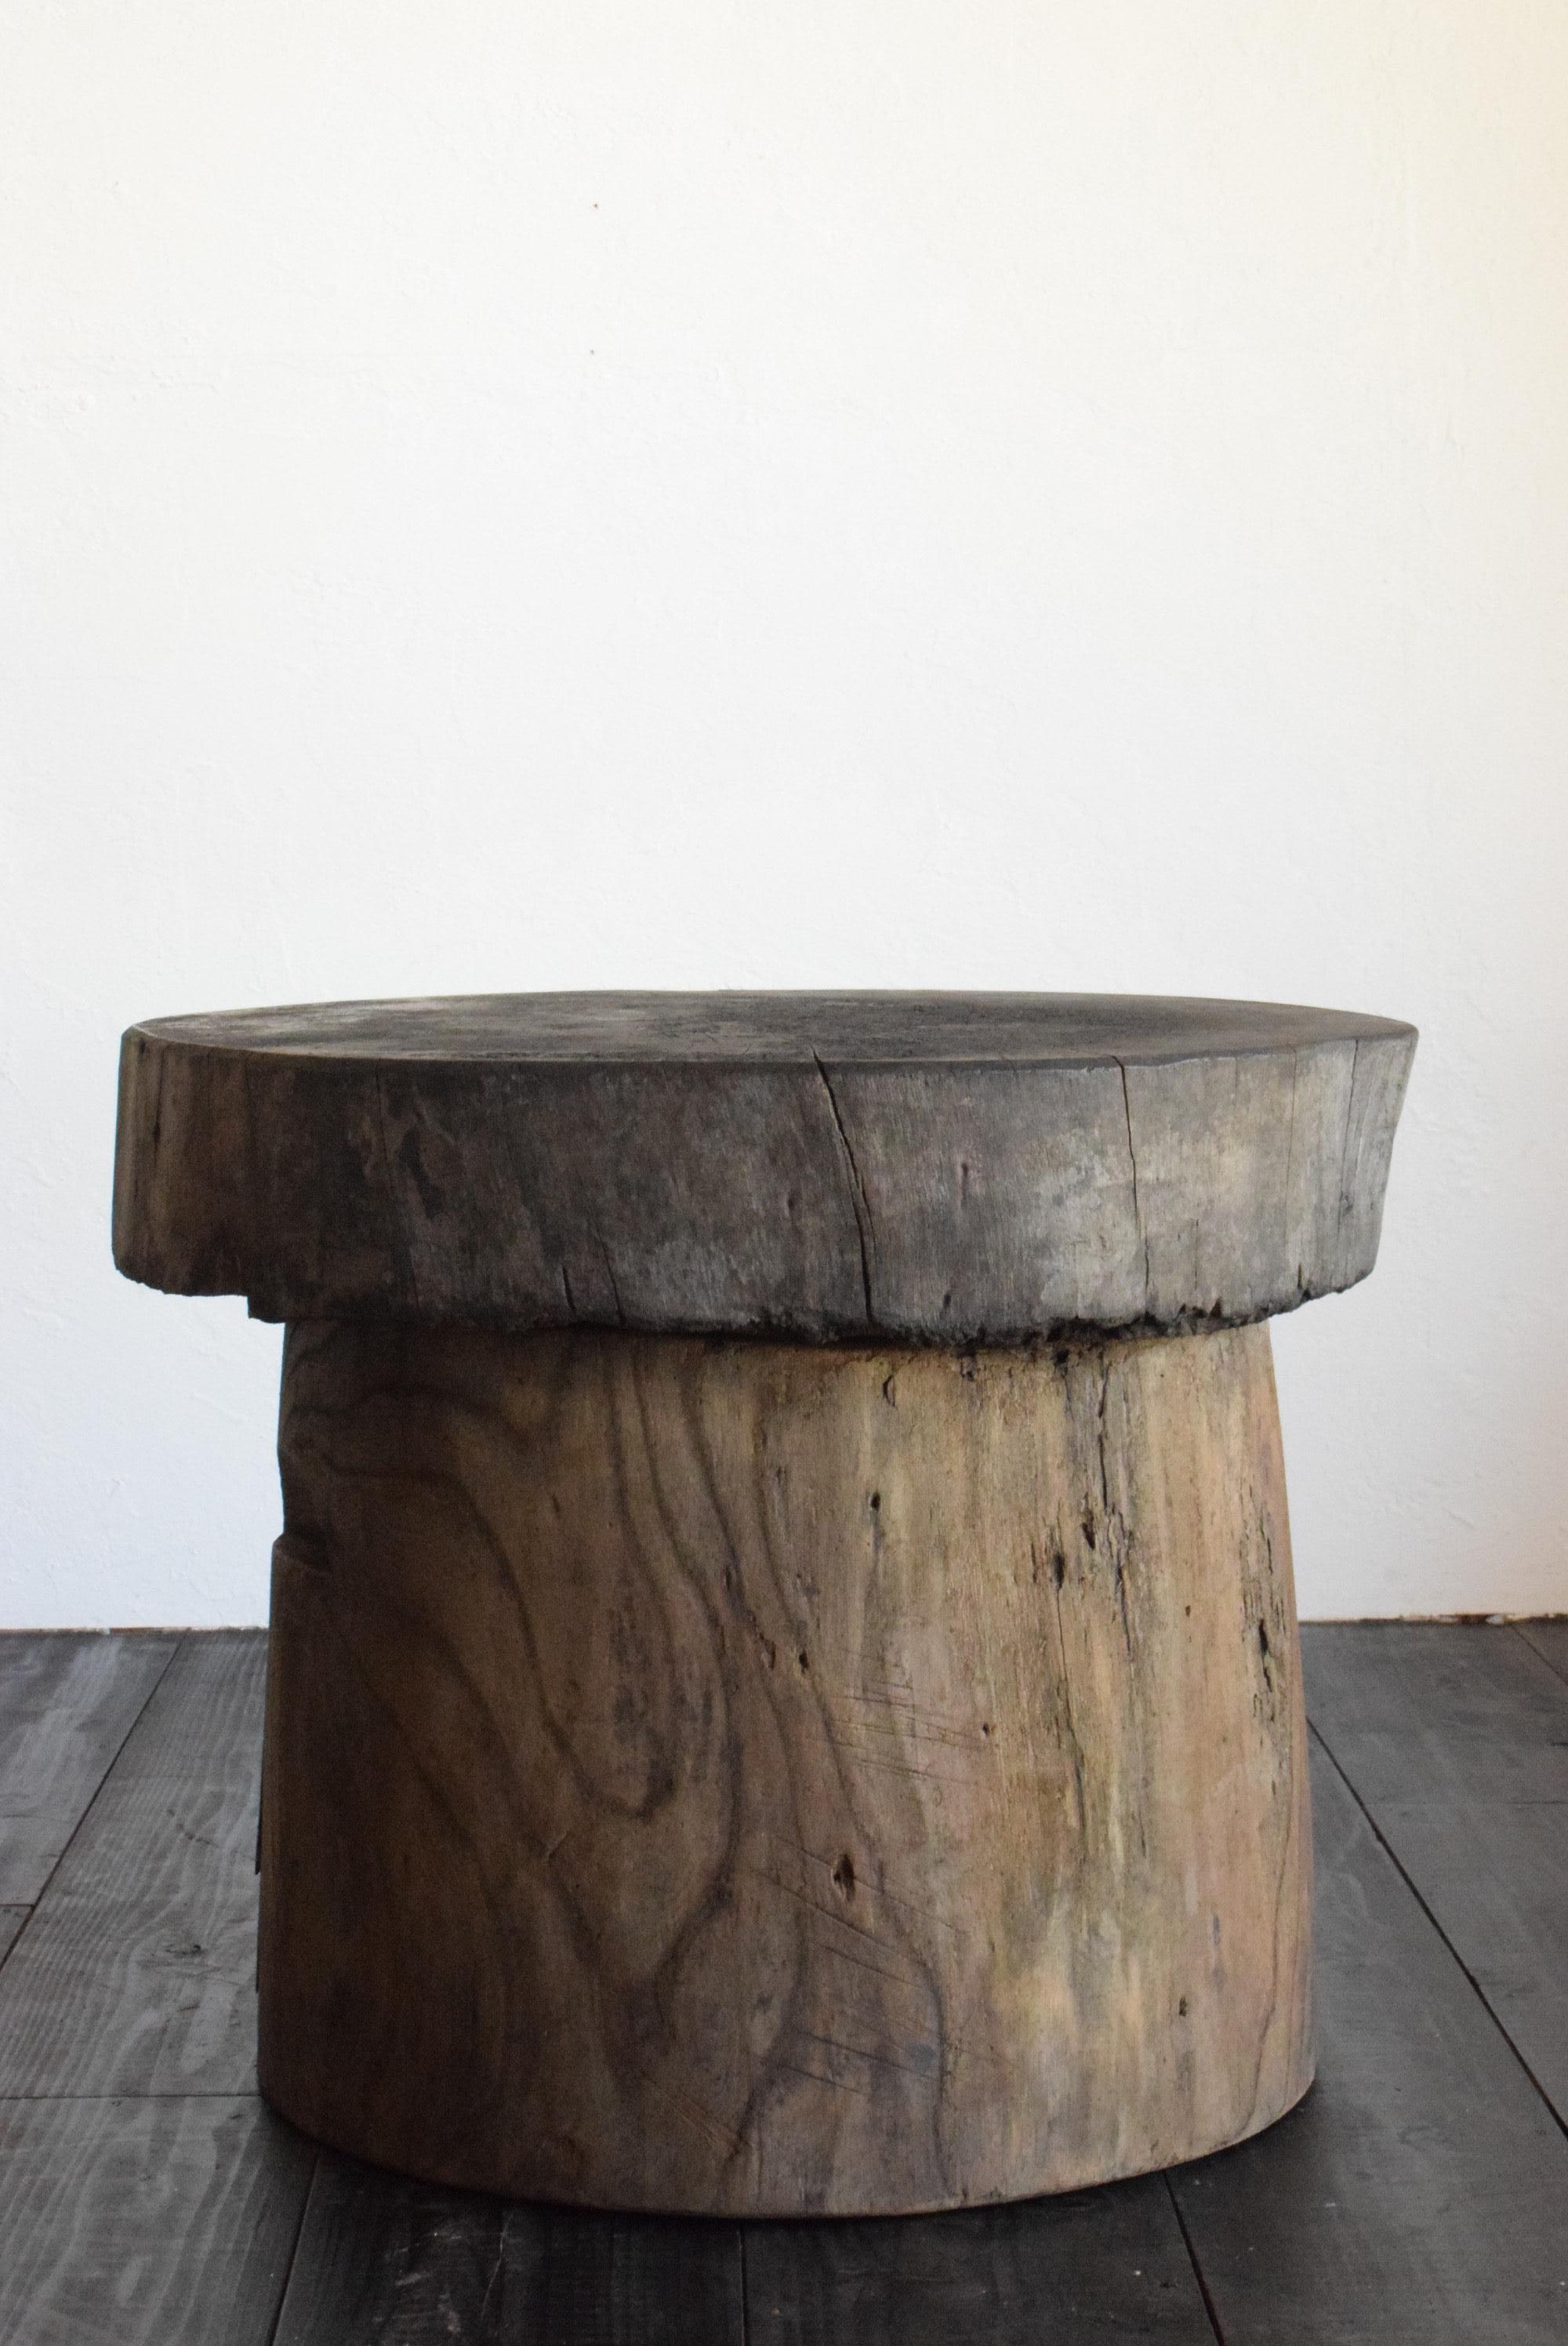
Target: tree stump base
{"x": 758, "y": 1779}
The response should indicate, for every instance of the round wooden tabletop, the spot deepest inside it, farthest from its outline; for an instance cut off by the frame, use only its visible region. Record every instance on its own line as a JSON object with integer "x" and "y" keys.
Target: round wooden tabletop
{"x": 953, "y": 1168}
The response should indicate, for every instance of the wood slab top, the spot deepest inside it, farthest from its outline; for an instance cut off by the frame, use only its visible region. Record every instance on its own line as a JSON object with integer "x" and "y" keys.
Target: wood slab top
{"x": 778, "y": 1029}
{"x": 952, "y": 1168}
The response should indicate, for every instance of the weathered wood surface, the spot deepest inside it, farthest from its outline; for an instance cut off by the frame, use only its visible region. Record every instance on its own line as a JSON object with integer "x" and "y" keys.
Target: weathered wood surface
{"x": 1420, "y": 2195}
{"x": 1096, "y": 2268}
{"x": 146, "y": 2222}
{"x": 11, "y": 1921}
{"x": 136, "y": 1975}
{"x": 935, "y": 1168}
{"x": 1457, "y": 1742}
{"x": 764, "y": 1778}
{"x": 67, "y": 1704}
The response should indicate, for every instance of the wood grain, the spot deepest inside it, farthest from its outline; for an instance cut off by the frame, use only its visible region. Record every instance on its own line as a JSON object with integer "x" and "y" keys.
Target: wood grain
{"x": 67, "y": 1701}
{"x": 146, "y": 2222}
{"x": 1457, "y": 1742}
{"x": 757, "y": 1779}
{"x": 1420, "y": 2195}
{"x": 137, "y": 1973}
{"x": 11, "y": 1921}
{"x": 935, "y": 1168}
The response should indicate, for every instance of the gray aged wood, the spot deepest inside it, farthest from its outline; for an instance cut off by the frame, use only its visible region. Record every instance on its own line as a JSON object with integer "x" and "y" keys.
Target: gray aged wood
{"x": 147, "y": 2222}
{"x": 938, "y": 1168}
{"x": 764, "y": 1778}
{"x": 67, "y": 1702}
{"x": 136, "y": 1975}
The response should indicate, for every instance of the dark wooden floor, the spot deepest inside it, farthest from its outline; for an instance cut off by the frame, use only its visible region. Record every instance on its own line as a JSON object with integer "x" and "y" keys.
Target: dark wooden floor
{"x": 1421, "y": 2193}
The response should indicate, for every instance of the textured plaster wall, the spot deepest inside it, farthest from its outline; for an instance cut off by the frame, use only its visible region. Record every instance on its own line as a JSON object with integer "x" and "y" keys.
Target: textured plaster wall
{"x": 593, "y": 495}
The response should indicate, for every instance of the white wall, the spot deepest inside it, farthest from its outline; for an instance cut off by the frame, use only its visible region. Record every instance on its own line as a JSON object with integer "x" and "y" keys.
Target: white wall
{"x": 996, "y": 494}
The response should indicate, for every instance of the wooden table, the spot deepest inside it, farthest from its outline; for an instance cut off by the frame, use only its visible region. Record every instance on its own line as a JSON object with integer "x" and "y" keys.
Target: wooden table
{"x": 784, "y": 1689}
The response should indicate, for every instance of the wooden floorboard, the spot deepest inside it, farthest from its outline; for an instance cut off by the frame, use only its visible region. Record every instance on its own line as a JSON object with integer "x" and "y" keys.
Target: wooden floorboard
{"x": 136, "y": 1974}
{"x": 1456, "y": 1741}
{"x": 640, "y": 2280}
{"x": 146, "y": 2222}
{"x": 1087, "y": 2270}
{"x": 382, "y": 2257}
{"x": 1418, "y": 2196}
{"x": 402, "y": 2263}
{"x": 67, "y": 1704}
{"x": 385, "y": 2259}
{"x": 1549, "y": 1640}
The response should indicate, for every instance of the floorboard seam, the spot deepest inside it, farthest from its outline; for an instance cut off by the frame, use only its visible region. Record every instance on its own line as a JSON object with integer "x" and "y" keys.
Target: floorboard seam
{"x": 1531, "y": 1648}
{"x": 1197, "y": 2272}
{"x": 129, "y": 2094}
{"x": 305, "y": 2197}
{"x": 69, "y": 1843}
{"x": 1391, "y": 1853}
{"x": 745, "y": 2295}
{"x": 27, "y": 1907}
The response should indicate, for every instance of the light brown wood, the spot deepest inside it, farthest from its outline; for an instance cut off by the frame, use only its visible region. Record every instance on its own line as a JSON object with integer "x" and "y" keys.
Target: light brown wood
{"x": 758, "y": 1779}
